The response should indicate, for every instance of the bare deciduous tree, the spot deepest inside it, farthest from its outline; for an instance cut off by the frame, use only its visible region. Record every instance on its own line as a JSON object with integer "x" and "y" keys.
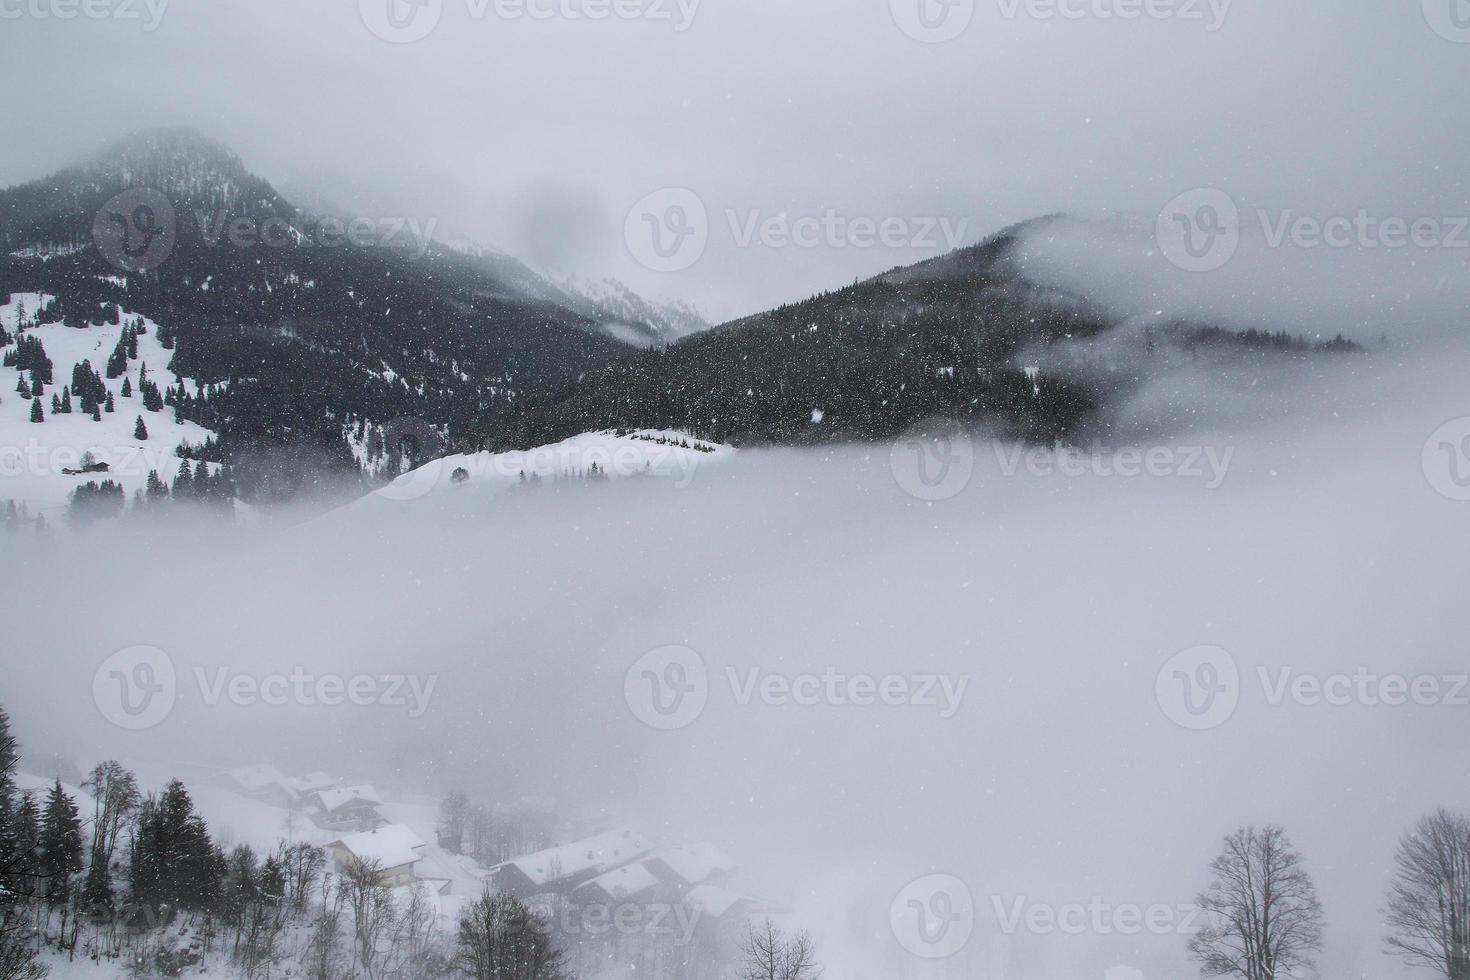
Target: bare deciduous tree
{"x": 769, "y": 954}
{"x": 501, "y": 939}
{"x": 1429, "y": 904}
{"x": 1264, "y": 921}
{"x": 371, "y": 902}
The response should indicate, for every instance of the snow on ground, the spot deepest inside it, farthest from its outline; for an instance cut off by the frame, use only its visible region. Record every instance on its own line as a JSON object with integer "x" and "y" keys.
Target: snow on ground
{"x": 32, "y": 456}
{"x": 466, "y": 483}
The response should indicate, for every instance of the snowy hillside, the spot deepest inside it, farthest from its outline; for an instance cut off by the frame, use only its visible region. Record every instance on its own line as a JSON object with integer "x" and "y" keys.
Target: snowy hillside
{"x": 468, "y": 482}
{"x": 34, "y": 456}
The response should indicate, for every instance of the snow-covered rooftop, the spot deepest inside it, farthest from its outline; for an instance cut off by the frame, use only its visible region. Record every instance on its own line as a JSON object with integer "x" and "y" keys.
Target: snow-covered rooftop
{"x": 310, "y": 783}
{"x": 694, "y": 863}
{"x": 602, "y": 851}
{"x": 338, "y": 796}
{"x": 630, "y": 879}
{"x": 390, "y": 846}
{"x": 258, "y": 777}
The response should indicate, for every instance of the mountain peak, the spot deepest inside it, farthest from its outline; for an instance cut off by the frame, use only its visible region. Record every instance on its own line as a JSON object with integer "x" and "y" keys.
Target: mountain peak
{"x": 171, "y": 149}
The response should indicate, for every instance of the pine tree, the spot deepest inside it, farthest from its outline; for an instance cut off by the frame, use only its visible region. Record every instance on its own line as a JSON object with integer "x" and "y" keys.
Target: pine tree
{"x": 36, "y": 414}
{"x": 55, "y": 404}
{"x": 66, "y": 401}
{"x": 156, "y": 488}
{"x": 127, "y": 387}
{"x": 60, "y": 845}
{"x": 174, "y": 862}
{"x": 27, "y": 829}
{"x": 37, "y": 389}
{"x": 96, "y": 413}
{"x": 183, "y": 482}
{"x": 140, "y": 432}
{"x": 110, "y": 407}
{"x": 22, "y": 389}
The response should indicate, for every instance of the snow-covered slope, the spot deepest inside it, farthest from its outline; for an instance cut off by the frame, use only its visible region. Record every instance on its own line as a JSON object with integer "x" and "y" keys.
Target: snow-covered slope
{"x": 469, "y": 482}
{"x": 34, "y": 455}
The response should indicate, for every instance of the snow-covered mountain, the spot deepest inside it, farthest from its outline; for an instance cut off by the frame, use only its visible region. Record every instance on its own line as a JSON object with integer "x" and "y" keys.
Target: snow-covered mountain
{"x": 635, "y": 318}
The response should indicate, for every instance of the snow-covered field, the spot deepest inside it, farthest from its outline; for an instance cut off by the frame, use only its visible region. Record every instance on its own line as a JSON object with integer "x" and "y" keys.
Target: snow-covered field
{"x": 33, "y": 456}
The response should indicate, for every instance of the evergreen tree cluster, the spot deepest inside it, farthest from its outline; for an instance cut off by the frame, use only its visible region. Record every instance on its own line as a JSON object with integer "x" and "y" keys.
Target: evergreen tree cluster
{"x": 152, "y": 397}
{"x": 87, "y": 385}
{"x": 30, "y": 355}
{"x": 126, "y": 350}
{"x": 96, "y": 501}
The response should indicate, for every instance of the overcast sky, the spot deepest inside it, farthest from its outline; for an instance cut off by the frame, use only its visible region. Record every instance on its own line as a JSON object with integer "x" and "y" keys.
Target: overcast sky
{"x": 537, "y": 135}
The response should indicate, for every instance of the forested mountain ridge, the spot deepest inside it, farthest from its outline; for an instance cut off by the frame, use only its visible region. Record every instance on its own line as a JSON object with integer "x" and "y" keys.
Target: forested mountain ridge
{"x": 866, "y": 361}
{"x": 966, "y": 336}
{"x": 309, "y": 336}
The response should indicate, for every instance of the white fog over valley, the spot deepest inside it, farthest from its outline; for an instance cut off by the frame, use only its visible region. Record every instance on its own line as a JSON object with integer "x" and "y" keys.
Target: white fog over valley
{"x": 691, "y": 490}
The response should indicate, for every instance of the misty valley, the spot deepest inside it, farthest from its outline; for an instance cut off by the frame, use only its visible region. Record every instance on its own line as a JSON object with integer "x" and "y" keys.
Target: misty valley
{"x": 899, "y": 490}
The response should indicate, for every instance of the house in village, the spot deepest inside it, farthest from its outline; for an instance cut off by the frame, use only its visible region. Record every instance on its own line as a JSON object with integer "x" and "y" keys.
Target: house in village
{"x": 395, "y": 849}
{"x": 631, "y": 882}
{"x": 561, "y": 869}
{"x": 347, "y": 808}
{"x": 689, "y": 865}
{"x": 263, "y": 782}
{"x": 310, "y": 784}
